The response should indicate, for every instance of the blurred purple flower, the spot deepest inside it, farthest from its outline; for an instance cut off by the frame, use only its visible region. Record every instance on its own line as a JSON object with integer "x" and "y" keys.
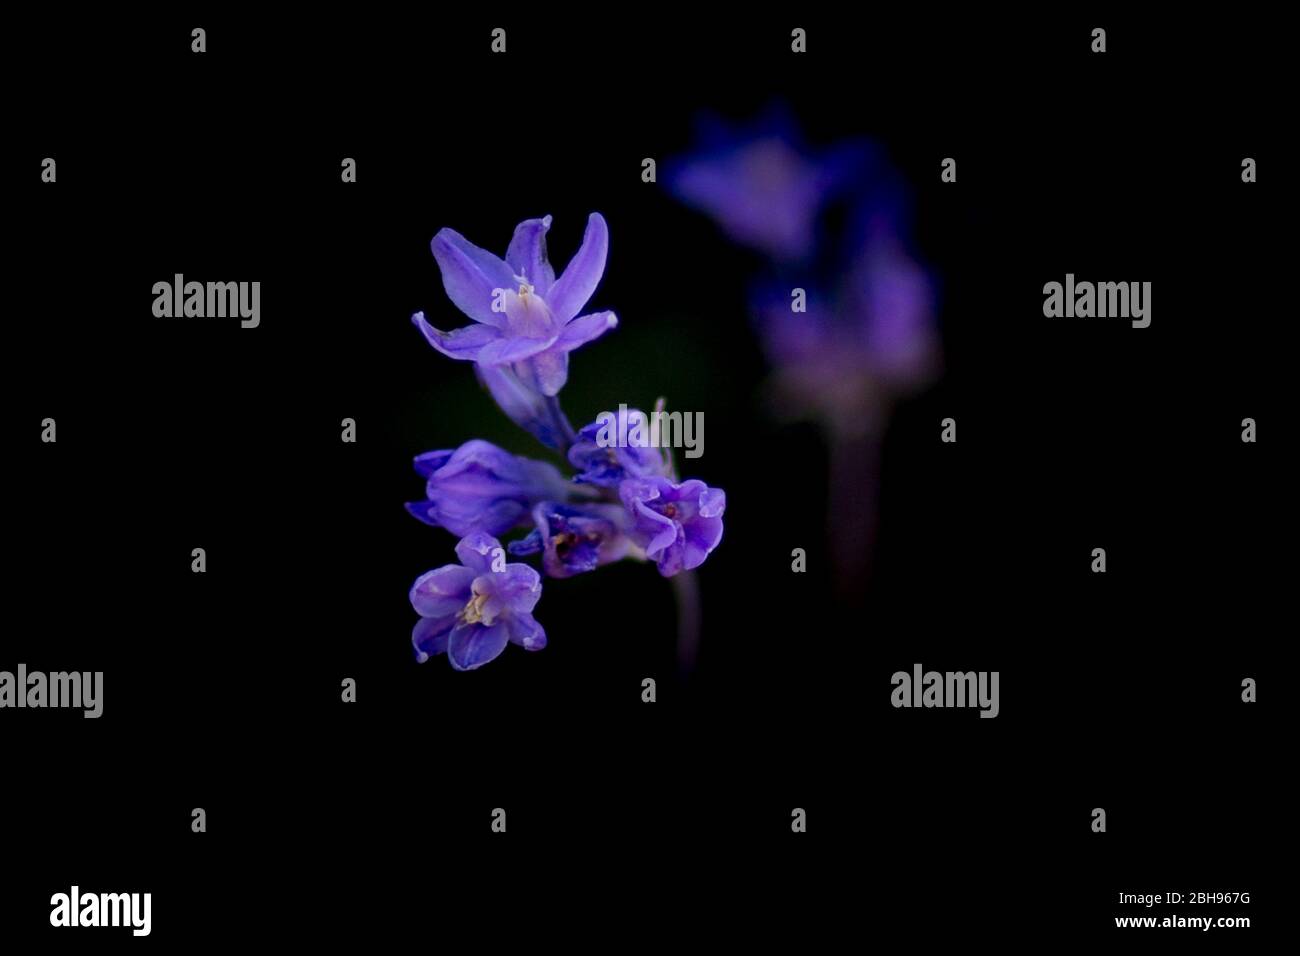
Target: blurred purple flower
{"x": 678, "y": 525}
{"x": 470, "y": 611}
{"x": 763, "y": 185}
{"x": 479, "y": 487}
{"x": 602, "y": 461}
{"x": 527, "y": 319}
{"x": 574, "y": 539}
{"x": 867, "y": 336}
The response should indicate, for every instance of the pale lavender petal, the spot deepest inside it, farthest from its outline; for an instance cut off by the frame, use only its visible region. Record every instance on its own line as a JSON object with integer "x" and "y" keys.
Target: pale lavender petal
{"x": 442, "y": 591}
{"x": 504, "y": 351}
{"x": 528, "y": 316}
{"x": 549, "y": 370}
{"x": 524, "y": 630}
{"x": 660, "y": 531}
{"x": 527, "y": 254}
{"x": 473, "y": 645}
{"x": 581, "y": 276}
{"x": 713, "y": 502}
{"x": 582, "y": 330}
{"x": 475, "y": 552}
{"x": 471, "y": 275}
{"x": 467, "y": 343}
{"x": 702, "y": 536}
{"x": 517, "y": 589}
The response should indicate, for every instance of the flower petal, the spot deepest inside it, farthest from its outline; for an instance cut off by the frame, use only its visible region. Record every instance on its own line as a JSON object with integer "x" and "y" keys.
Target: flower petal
{"x": 523, "y": 405}
{"x": 442, "y": 591}
{"x": 702, "y": 536}
{"x": 471, "y": 275}
{"x": 429, "y": 636}
{"x": 475, "y": 552}
{"x": 527, "y": 254}
{"x": 663, "y": 530}
{"x": 465, "y": 516}
{"x": 517, "y": 589}
{"x": 713, "y": 502}
{"x": 473, "y": 645}
{"x": 467, "y": 343}
{"x": 547, "y": 371}
{"x": 582, "y": 330}
{"x": 508, "y": 349}
{"x": 583, "y": 273}
{"x": 524, "y": 630}
{"x": 429, "y": 462}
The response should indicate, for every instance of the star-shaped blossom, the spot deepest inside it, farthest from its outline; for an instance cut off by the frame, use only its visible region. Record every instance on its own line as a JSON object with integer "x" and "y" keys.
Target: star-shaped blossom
{"x": 473, "y": 609}
{"x": 525, "y": 317}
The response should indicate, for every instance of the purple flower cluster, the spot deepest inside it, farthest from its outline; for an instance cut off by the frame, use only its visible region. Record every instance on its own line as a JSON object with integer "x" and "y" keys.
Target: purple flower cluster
{"x": 624, "y": 501}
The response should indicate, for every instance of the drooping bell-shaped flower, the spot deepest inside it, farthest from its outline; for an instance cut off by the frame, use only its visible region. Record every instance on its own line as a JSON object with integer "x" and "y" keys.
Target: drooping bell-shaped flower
{"x": 479, "y": 487}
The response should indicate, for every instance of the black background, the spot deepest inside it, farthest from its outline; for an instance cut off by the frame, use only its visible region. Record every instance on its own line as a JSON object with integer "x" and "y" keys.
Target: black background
{"x": 329, "y": 821}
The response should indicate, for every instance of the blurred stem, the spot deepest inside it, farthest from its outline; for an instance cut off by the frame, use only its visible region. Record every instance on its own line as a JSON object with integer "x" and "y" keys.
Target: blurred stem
{"x": 854, "y": 476}
{"x": 686, "y": 588}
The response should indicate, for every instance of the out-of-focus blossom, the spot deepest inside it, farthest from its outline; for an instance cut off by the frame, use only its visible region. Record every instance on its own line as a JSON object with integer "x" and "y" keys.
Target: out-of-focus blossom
{"x": 479, "y": 487}
{"x": 526, "y": 319}
{"x": 677, "y": 525}
{"x": 470, "y": 611}
{"x": 573, "y": 539}
{"x": 763, "y": 185}
{"x": 867, "y": 336}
